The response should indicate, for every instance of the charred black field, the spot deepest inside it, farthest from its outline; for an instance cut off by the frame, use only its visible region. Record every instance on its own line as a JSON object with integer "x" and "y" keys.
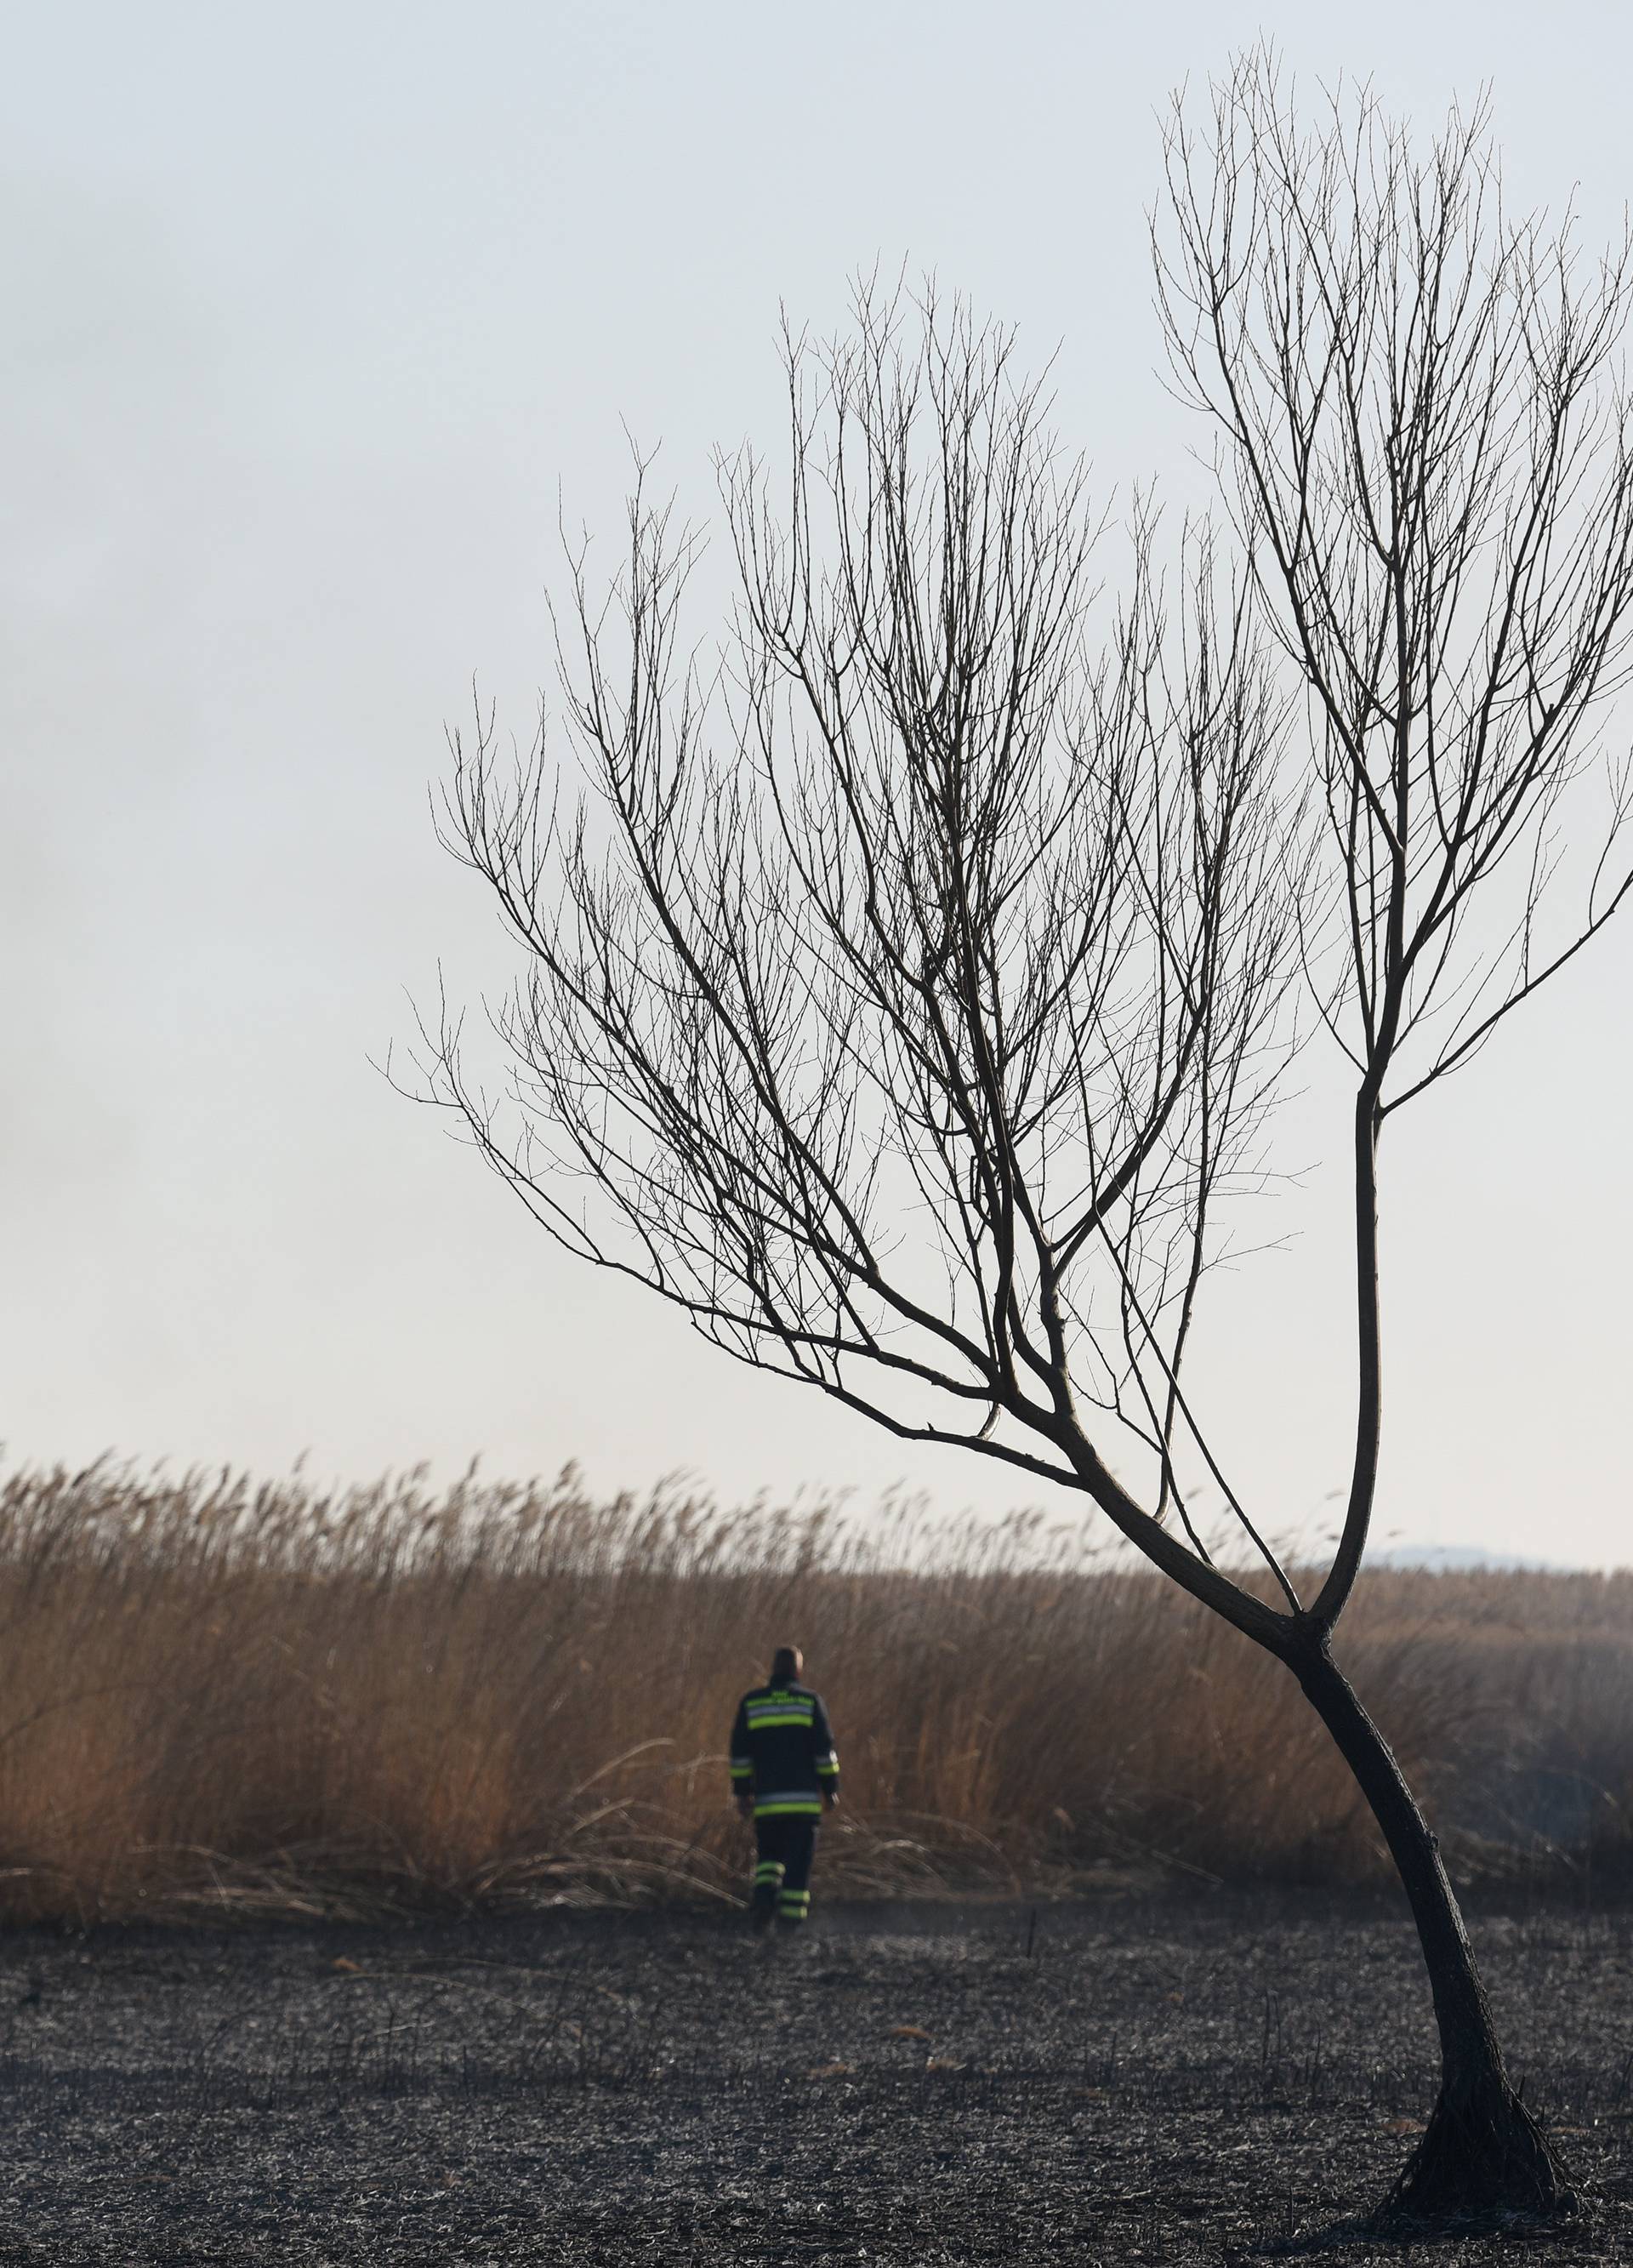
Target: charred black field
{"x": 1205, "y": 2076}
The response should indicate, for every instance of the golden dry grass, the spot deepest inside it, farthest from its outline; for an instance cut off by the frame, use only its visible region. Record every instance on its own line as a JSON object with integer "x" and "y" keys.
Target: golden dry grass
{"x": 220, "y": 1695}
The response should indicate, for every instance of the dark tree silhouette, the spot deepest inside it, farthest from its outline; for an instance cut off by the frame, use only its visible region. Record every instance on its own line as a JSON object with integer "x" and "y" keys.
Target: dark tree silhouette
{"x": 905, "y": 998}
{"x": 906, "y": 992}
{"x": 1425, "y": 442}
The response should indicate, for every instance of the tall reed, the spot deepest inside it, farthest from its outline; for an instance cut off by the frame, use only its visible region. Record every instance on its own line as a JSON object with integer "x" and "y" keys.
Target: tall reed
{"x": 219, "y": 1694}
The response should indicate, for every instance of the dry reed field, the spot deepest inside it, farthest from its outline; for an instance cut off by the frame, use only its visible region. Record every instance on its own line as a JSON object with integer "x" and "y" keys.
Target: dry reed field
{"x": 220, "y": 1698}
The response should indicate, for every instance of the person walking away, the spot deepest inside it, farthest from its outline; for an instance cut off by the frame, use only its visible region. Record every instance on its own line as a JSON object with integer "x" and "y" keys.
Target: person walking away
{"x": 784, "y": 1770}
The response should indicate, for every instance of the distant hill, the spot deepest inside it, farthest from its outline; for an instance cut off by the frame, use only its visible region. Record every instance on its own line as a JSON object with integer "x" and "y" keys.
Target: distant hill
{"x": 1458, "y": 1559}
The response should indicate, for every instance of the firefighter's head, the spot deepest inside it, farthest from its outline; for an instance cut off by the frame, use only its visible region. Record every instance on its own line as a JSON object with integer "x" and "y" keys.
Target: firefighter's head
{"x": 786, "y": 1664}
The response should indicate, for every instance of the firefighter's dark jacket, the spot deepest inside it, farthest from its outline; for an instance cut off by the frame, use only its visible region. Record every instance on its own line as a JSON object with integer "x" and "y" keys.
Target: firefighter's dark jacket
{"x": 783, "y": 1751}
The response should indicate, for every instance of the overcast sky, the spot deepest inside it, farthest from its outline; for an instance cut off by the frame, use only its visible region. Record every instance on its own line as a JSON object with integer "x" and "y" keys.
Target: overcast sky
{"x": 308, "y": 313}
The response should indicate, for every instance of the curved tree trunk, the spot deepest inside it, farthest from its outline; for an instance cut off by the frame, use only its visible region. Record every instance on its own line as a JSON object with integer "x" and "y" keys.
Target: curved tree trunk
{"x": 1482, "y": 2156}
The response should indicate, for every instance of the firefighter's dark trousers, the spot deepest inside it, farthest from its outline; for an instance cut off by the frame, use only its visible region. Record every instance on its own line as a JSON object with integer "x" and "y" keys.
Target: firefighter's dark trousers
{"x": 783, "y": 1850}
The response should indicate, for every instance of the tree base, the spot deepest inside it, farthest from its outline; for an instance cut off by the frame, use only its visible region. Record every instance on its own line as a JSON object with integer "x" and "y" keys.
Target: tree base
{"x": 1483, "y": 2162}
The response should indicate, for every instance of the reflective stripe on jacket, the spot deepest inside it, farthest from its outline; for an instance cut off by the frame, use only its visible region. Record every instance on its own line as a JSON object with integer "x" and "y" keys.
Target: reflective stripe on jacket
{"x": 783, "y": 1751}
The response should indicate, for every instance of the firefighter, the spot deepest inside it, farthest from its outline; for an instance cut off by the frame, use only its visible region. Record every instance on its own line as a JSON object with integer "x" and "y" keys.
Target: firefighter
{"x": 783, "y": 1771}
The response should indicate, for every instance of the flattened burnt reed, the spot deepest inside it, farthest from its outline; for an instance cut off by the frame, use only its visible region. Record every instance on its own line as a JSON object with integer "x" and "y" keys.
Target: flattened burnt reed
{"x": 1187, "y": 2080}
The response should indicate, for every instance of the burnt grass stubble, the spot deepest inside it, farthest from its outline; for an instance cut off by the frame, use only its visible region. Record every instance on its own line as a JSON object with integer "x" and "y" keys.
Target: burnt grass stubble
{"x": 1212, "y": 2077}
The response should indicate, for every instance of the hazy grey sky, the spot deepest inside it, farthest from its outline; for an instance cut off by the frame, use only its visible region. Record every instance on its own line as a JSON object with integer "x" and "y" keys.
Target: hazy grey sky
{"x": 308, "y": 312}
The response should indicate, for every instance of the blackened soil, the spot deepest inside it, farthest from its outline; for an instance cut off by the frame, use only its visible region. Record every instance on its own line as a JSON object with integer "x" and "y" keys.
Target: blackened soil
{"x": 1215, "y": 2079}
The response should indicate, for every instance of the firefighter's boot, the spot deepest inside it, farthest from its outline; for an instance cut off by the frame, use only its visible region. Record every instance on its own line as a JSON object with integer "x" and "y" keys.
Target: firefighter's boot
{"x": 763, "y": 1902}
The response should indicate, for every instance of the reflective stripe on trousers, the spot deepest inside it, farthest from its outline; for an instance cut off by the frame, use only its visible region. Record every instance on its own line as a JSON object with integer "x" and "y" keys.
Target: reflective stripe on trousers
{"x": 784, "y": 1847}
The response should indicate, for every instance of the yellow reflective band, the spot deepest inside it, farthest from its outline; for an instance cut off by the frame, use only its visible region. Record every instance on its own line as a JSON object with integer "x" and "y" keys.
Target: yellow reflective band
{"x": 811, "y": 1805}
{"x": 758, "y": 1724}
{"x": 742, "y": 1771}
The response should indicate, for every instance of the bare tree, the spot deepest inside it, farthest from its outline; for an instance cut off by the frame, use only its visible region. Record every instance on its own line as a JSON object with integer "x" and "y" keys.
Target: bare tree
{"x": 1424, "y": 438}
{"x": 906, "y": 996}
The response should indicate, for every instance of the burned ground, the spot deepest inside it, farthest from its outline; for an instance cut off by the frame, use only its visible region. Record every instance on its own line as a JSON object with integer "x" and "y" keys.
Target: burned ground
{"x": 1197, "y": 2079}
